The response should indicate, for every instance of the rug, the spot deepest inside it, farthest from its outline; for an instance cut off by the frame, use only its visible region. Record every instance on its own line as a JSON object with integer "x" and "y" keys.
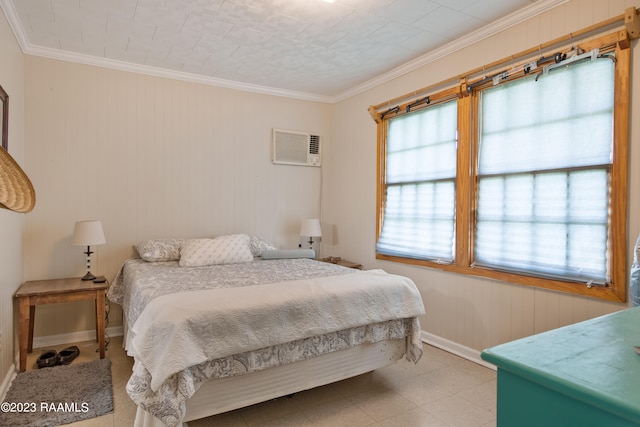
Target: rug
{"x": 59, "y": 395}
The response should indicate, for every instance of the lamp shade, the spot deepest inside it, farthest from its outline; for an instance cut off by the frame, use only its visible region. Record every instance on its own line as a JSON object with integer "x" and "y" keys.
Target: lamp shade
{"x": 88, "y": 233}
{"x": 311, "y": 228}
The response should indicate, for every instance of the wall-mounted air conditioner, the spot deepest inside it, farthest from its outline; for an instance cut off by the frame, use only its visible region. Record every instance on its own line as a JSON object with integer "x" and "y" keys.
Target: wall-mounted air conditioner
{"x": 296, "y": 148}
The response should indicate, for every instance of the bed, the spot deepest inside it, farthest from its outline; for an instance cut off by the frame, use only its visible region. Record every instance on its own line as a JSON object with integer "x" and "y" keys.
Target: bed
{"x": 212, "y": 327}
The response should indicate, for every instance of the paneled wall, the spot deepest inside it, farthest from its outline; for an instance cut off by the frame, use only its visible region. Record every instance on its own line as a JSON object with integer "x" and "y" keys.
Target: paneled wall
{"x": 153, "y": 158}
{"x": 471, "y": 312}
{"x": 11, "y": 223}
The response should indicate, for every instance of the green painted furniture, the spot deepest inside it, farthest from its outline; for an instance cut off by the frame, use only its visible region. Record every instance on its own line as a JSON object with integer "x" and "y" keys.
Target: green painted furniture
{"x": 586, "y": 375}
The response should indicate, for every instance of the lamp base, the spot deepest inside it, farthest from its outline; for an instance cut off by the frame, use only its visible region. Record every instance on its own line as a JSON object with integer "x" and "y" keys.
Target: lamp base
{"x": 88, "y": 276}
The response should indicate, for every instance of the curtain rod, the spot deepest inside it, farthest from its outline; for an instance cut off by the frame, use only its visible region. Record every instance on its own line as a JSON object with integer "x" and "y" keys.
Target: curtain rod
{"x": 629, "y": 18}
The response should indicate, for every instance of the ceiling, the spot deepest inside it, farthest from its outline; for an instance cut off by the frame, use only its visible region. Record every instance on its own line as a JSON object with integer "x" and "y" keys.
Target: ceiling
{"x": 302, "y": 48}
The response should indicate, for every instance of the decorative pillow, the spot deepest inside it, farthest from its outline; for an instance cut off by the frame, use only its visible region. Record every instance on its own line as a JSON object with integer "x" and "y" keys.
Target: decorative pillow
{"x": 159, "y": 249}
{"x": 258, "y": 245}
{"x": 231, "y": 249}
{"x": 288, "y": 253}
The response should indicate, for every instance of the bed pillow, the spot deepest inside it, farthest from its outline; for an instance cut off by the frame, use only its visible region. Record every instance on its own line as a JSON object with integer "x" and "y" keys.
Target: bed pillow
{"x": 159, "y": 249}
{"x": 258, "y": 245}
{"x": 288, "y": 253}
{"x": 230, "y": 249}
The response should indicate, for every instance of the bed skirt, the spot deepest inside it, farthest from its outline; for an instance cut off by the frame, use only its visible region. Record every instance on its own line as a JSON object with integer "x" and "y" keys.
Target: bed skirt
{"x": 220, "y": 395}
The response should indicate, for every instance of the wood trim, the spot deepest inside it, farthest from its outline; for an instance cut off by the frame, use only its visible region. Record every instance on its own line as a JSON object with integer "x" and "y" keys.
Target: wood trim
{"x": 575, "y": 288}
{"x": 381, "y": 174}
{"x": 435, "y": 98}
{"x": 463, "y": 182}
{"x": 605, "y": 44}
{"x": 473, "y": 179}
{"x": 620, "y": 174}
{"x": 632, "y": 22}
{"x": 466, "y": 184}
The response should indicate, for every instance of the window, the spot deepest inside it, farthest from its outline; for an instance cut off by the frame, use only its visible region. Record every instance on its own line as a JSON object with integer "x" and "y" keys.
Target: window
{"x": 521, "y": 176}
{"x": 545, "y": 153}
{"x": 420, "y": 179}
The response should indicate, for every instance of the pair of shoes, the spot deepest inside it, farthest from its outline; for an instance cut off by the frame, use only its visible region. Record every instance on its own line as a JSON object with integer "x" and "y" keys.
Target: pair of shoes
{"x": 51, "y": 358}
{"x": 67, "y": 355}
{"x": 48, "y": 359}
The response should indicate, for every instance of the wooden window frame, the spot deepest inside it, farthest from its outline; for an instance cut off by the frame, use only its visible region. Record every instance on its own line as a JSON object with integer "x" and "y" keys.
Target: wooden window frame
{"x": 466, "y": 180}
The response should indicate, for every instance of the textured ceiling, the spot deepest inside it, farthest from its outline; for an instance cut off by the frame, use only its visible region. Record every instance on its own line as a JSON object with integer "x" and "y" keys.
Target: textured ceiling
{"x": 309, "y": 47}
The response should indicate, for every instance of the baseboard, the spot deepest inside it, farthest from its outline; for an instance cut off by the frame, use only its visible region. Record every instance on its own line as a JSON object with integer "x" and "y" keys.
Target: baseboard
{"x": 80, "y": 336}
{"x": 6, "y": 382}
{"x": 458, "y": 349}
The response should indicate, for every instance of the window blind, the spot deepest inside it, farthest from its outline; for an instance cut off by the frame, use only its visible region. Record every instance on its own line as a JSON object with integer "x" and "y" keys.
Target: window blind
{"x": 543, "y": 173}
{"x": 419, "y": 210}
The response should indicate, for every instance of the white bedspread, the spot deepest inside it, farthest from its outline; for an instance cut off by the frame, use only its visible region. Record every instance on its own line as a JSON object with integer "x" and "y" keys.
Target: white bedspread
{"x": 176, "y": 331}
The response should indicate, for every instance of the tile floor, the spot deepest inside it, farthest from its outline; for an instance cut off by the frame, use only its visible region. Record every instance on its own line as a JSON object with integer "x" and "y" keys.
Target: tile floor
{"x": 442, "y": 390}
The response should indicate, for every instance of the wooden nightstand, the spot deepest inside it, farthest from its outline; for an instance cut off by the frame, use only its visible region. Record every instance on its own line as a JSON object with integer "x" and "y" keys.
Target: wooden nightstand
{"x": 39, "y": 292}
{"x": 342, "y": 262}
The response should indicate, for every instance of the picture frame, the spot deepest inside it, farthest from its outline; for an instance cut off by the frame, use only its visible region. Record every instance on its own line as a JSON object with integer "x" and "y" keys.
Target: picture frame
{"x": 4, "y": 118}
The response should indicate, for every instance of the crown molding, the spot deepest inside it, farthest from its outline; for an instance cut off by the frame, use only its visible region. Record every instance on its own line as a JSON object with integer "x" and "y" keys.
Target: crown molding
{"x": 536, "y": 8}
{"x": 12, "y": 17}
{"x": 171, "y": 74}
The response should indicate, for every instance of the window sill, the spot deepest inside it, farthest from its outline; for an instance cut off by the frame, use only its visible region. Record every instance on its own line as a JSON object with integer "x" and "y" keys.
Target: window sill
{"x": 607, "y": 293}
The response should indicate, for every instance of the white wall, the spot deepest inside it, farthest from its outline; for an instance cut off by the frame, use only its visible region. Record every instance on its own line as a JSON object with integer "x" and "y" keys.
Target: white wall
{"x": 472, "y": 312}
{"x": 11, "y": 223}
{"x": 153, "y": 158}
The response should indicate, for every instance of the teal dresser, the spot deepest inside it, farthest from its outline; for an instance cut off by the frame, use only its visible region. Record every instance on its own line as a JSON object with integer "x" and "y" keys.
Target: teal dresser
{"x": 586, "y": 375}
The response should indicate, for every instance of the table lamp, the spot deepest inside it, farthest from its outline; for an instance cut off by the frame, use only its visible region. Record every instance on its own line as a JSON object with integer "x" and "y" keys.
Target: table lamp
{"x": 87, "y": 233}
{"x": 311, "y": 228}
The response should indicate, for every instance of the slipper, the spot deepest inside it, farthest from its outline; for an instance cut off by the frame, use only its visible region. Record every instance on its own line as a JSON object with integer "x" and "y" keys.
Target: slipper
{"x": 67, "y": 355}
{"x": 48, "y": 359}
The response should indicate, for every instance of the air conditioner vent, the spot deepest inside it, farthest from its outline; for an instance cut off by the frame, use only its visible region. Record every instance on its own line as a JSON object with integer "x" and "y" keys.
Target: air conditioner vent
{"x": 314, "y": 144}
{"x": 296, "y": 148}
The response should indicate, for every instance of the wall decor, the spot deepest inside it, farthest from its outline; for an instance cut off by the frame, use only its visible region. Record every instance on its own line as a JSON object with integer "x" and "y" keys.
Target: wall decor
{"x": 4, "y": 118}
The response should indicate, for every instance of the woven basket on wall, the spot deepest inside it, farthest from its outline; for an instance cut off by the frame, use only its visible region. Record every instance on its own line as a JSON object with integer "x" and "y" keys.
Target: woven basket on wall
{"x": 16, "y": 191}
